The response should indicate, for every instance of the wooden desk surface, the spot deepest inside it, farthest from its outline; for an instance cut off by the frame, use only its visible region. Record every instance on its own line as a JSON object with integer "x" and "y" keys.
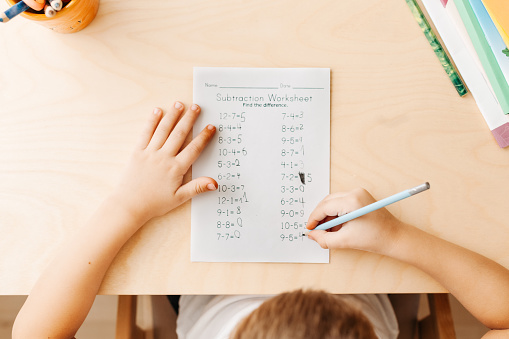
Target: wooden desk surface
{"x": 72, "y": 107}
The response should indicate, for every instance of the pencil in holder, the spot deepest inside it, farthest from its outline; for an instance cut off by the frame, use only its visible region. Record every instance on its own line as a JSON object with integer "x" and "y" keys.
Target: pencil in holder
{"x": 74, "y": 16}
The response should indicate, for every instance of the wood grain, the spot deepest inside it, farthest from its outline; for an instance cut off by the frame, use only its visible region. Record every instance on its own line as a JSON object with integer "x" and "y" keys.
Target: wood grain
{"x": 73, "y": 105}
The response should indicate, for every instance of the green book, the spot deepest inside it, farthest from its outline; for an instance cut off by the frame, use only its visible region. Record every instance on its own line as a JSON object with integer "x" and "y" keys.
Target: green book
{"x": 434, "y": 42}
{"x": 490, "y": 64}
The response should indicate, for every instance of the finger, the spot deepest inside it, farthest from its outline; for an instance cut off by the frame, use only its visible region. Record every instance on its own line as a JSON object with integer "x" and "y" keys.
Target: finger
{"x": 338, "y": 204}
{"x": 195, "y": 187}
{"x": 320, "y": 237}
{"x": 336, "y": 195}
{"x": 329, "y": 218}
{"x": 336, "y": 228}
{"x": 192, "y": 151}
{"x": 327, "y": 240}
{"x": 149, "y": 128}
{"x": 326, "y": 208}
{"x": 180, "y": 132}
{"x": 166, "y": 126}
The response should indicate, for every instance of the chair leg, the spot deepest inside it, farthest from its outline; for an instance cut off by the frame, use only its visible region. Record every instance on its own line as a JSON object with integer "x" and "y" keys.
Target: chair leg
{"x": 165, "y": 319}
{"x": 439, "y": 324}
{"x": 405, "y": 308}
{"x": 126, "y": 319}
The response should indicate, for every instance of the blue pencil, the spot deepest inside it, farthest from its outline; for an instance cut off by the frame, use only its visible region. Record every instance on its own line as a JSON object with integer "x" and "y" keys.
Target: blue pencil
{"x": 18, "y": 8}
{"x": 372, "y": 207}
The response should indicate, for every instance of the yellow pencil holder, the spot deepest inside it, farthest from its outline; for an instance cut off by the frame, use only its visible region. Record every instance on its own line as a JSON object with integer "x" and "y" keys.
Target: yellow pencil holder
{"x": 75, "y": 16}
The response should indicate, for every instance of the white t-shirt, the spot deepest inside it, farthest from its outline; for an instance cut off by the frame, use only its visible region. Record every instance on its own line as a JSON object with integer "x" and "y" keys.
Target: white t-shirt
{"x": 215, "y": 316}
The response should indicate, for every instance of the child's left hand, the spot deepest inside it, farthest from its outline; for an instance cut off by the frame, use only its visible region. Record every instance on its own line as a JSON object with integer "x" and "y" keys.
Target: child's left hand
{"x": 152, "y": 184}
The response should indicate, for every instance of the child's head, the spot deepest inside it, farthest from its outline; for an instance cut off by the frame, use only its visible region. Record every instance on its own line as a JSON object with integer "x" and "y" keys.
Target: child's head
{"x": 303, "y": 315}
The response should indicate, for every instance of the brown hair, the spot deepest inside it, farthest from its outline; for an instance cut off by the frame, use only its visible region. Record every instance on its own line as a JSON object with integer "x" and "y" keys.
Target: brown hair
{"x": 305, "y": 314}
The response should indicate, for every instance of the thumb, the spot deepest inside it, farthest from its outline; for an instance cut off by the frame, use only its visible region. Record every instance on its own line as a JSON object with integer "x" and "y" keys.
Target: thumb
{"x": 320, "y": 237}
{"x": 327, "y": 240}
{"x": 195, "y": 187}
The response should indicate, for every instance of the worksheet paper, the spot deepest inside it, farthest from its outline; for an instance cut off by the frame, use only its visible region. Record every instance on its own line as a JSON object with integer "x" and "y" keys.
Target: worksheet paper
{"x": 270, "y": 156}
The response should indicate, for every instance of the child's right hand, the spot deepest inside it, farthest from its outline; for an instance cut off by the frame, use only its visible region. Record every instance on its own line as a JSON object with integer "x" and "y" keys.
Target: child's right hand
{"x": 375, "y": 232}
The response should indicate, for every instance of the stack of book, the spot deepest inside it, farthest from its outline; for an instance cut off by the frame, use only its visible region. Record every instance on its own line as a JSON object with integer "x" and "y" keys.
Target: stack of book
{"x": 475, "y": 34}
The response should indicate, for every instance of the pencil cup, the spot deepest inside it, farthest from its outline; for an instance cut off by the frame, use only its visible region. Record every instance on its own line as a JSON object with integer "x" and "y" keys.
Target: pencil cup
{"x": 75, "y": 16}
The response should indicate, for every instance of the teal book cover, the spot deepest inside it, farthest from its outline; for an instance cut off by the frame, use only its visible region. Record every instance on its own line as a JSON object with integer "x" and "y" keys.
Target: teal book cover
{"x": 485, "y": 53}
{"x": 493, "y": 37}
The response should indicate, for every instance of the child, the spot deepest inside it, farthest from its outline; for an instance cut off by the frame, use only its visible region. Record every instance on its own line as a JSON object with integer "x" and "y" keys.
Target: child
{"x": 153, "y": 185}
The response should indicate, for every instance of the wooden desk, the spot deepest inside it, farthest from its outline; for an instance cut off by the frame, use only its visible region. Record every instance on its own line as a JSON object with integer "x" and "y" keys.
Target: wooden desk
{"x": 73, "y": 105}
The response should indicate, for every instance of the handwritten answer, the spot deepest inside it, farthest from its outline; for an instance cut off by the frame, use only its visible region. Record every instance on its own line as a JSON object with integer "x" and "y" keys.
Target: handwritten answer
{"x": 271, "y": 159}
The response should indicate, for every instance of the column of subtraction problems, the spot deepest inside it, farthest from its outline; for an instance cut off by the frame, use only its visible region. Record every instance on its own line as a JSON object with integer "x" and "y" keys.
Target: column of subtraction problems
{"x": 232, "y": 196}
{"x": 293, "y": 177}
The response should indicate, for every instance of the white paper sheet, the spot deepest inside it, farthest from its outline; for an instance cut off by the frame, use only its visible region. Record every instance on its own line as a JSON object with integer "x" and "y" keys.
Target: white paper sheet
{"x": 271, "y": 159}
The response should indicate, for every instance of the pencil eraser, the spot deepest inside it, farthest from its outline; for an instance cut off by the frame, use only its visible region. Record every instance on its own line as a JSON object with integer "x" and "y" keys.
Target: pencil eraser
{"x": 36, "y": 5}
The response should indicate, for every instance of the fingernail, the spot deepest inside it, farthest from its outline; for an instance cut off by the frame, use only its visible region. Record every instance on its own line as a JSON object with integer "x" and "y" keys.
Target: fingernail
{"x": 211, "y": 187}
{"x": 194, "y": 107}
{"x": 210, "y": 127}
{"x": 178, "y": 105}
{"x": 157, "y": 110}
